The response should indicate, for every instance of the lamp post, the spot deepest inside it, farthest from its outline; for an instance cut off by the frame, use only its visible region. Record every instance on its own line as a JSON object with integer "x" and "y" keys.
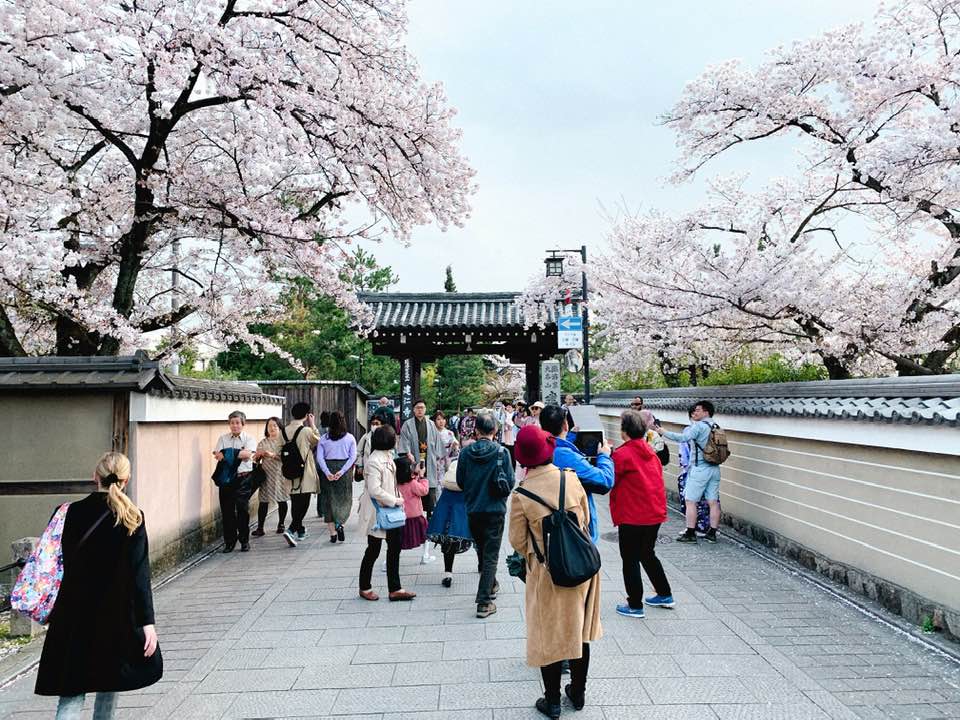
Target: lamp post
{"x": 554, "y": 268}
{"x": 359, "y": 359}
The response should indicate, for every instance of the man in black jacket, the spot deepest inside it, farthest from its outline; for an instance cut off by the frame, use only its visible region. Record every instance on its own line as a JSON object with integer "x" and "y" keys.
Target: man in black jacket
{"x": 480, "y": 467}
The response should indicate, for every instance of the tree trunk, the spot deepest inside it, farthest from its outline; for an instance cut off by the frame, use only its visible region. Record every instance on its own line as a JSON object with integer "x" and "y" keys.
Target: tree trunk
{"x": 132, "y": 248}
{"x": 836, "y": 368}
{"x": 74, "y": 339}
{"x": 9, "y": 343}
{"x": 936, "y": 362}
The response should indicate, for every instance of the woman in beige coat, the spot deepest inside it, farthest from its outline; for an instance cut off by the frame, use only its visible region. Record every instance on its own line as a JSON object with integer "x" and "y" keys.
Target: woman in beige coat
{"x": 561, "y": 622}
{"x": 380, "y": 484}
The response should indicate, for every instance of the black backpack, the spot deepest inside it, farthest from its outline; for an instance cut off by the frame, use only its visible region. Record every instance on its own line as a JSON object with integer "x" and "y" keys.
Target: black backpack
{"x": 664, "y": 455}
{"x": 291, "y": 461}
{"x": 569, "y": 554}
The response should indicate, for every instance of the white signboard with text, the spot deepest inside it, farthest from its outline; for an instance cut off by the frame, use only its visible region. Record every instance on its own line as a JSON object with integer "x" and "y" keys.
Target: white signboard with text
{"x": 569, "y": 332}
{"x": 550, "y": 382}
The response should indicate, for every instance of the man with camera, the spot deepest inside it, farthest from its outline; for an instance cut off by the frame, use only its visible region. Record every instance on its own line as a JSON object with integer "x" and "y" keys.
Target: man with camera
{"x": 596, "y": 479}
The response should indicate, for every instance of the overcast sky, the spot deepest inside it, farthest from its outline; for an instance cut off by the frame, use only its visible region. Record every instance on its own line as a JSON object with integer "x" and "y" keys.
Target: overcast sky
{"x": 558, "y": 103}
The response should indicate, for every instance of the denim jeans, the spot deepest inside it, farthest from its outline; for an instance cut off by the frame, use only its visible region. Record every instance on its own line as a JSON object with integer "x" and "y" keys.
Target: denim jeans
{"x": 70, "y": 707}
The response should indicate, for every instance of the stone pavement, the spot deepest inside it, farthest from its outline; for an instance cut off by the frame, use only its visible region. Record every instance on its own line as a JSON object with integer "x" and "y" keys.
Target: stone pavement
{"x": 281, "y": 633}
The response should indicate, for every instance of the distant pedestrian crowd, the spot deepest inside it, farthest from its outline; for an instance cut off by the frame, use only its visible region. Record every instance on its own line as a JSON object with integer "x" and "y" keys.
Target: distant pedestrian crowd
{"x": 450, "y": 484}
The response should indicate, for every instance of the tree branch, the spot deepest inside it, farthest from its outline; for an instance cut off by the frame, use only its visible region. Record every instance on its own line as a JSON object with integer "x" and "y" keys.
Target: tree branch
{"x": 159, "y": 322}
{"x": 109, "y": 135}
{"x": 320, "y": 204}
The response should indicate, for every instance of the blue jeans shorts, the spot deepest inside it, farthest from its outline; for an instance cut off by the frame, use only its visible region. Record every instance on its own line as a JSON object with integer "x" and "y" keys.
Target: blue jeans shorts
{"x": 702, "y": 485}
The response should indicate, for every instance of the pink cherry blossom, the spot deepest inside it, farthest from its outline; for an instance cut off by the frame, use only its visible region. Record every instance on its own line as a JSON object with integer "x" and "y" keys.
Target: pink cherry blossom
{"x": 852, "y": 257}
{"x": 231, "y": 143}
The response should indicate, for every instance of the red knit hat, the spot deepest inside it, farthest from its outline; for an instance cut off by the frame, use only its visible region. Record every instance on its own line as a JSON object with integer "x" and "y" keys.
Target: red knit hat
{"x": 534, "y": 446}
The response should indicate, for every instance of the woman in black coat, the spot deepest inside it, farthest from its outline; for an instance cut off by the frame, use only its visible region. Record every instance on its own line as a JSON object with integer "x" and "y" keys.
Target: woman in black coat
{"x": 101, "y": 636}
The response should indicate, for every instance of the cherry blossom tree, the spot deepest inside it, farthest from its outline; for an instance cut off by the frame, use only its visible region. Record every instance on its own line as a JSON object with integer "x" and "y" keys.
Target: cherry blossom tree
{"x": 853, "y": 258}
{"x": 221, "y": 144}
{"x": 771, "y": 270}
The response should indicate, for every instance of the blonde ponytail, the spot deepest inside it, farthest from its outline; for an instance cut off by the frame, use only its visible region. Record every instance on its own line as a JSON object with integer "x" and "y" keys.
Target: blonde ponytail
{"x": 113, "y": 469}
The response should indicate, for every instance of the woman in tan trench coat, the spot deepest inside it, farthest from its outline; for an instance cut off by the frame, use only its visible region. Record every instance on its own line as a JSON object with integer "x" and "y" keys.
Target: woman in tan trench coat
{"x": 561, "y": 622}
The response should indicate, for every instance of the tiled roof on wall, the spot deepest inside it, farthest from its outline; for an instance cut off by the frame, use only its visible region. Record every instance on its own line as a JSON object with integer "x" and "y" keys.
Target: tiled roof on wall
{"x": 135, "y": 373}
{"x": 921, "y": 400}
{"x": 197, "y": 389}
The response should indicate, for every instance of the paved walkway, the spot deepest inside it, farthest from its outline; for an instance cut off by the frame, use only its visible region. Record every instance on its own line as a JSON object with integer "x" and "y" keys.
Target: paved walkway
{"x": 281, "y": 633}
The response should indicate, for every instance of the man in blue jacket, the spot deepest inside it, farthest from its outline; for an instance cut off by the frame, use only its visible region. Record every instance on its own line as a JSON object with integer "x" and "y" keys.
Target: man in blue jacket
{"x": 595, "y": 479}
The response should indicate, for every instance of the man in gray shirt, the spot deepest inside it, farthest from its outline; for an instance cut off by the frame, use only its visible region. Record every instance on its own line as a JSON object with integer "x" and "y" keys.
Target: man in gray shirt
{"x": 236, "y": 448}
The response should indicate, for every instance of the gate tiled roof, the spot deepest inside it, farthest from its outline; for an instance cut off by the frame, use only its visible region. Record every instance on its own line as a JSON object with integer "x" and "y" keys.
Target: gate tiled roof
{"x": 443, "y": 310}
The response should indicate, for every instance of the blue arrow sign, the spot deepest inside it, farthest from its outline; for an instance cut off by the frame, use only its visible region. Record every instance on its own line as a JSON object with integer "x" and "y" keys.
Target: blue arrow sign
{"x": 570, "y": 323}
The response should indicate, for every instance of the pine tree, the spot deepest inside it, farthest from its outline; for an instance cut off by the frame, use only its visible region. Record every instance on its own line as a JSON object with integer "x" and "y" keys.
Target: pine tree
{"x": 460, "y": 378}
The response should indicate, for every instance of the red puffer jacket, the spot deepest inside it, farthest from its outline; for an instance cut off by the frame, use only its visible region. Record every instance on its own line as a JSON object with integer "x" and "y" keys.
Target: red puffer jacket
{"x": 638, "y": 496}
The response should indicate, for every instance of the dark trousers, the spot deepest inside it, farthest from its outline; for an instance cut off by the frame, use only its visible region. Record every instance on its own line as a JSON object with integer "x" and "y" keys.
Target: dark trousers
{"x": 262, "y": 510}
{"x": 235, "y": 510}
{"x": 578, "y": 676}
{"x": 487, "y": 531}
{"x": 299, "y": 504}
{"x": 638, "y": 547}
{"x": 448, "y": 557}
{"x": 394, "y": 538}
{"x": 429, "y": 502}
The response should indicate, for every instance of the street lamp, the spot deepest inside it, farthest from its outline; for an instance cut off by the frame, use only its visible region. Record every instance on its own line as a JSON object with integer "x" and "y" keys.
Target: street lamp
{"x": 554, "y": 264}
{"x": 554, "y": 268}
{"x": 359, "y": 359}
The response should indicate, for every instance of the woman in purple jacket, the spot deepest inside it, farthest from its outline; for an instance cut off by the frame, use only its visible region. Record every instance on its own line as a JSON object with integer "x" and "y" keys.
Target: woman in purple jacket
{"x": 336, "y": 454}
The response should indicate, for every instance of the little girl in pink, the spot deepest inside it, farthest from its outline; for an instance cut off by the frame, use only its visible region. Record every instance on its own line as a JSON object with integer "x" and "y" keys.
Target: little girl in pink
{"x": 412, "y": 487}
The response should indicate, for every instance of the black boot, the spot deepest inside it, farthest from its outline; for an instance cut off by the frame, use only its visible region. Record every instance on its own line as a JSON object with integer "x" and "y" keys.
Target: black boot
{"x": 577, "y": 698}
{"x": 548, "y": 708}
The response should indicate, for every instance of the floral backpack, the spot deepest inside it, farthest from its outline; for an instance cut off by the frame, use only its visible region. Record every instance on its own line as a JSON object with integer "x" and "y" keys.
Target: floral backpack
{"x": 37, "y": 586}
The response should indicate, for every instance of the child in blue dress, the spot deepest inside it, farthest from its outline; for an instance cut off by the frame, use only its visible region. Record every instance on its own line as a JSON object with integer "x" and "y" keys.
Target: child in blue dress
{"x": 448, "y": 527}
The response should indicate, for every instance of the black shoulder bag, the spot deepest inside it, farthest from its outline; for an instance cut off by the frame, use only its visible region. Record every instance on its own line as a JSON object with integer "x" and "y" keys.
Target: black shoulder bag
{"x": 569, "y": 554}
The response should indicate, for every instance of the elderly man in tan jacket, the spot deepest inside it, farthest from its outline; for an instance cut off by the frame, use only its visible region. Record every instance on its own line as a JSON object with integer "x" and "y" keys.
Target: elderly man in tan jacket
{"x": 304, "y": 428}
